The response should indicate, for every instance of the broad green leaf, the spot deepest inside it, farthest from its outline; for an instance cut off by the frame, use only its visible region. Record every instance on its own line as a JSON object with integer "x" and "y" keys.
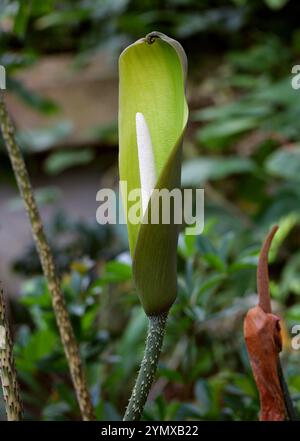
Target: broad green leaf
{"x": 218, "y": 134}
{"x": 285, "y": 163}
{"x": 40, "y": 344}
{"x": 244, "y": 108}
{"x": 287, "y": 223}
{"x": 22, "y": 17}
{"x": 28, "y": 96}
{"x": 290, "y": 282}
{"x": 276, "y": 4}
{"x": 152, "y": 83}
{"x": 116, "y": 272}
{"x": 200, "y": 170}
{"x": 42, "y": 139}
{"x": 60, "y": 161}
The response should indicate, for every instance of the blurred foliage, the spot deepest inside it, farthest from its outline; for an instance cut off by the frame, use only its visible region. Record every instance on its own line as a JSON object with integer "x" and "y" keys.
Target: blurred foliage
{"x": 242, "y": 146}
{"x": 70, "y": 240}
{"x": 203, "y": 373}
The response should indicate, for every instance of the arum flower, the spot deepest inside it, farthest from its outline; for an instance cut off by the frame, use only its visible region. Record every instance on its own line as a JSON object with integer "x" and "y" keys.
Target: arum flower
{"x": 152, "y": 117}
{"x": 263, "y": 340}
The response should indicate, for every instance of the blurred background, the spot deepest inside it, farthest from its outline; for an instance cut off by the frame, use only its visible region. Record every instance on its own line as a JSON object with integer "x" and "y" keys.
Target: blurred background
{"x": 241, "y": 146}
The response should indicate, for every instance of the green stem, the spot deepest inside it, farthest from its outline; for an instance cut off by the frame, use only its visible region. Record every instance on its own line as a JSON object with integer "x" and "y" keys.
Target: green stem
{"x": 8, "y": 375}
{"x": 60, "y": 310}
{"x": 155, "y": 336}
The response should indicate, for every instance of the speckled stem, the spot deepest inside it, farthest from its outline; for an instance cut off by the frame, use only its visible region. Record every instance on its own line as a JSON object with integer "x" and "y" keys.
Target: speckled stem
{"x": 155, "y": 336}
{"x": 62, "y": 317}
{"x": 8, "y": 375}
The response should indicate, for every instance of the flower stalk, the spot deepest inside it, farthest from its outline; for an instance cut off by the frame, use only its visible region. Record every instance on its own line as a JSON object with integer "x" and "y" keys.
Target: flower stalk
{"x": 153, "y": 115}
{"x": 155, "y": 336}
{"x": 46, "y": 258}
{"x": 8, "y": 374}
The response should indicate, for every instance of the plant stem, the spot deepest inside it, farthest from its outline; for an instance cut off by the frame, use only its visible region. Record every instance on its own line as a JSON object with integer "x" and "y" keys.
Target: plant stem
{"x": 60, "y": 310}
{"x": 155, "y": 336}
{"x": 290, "y": 409}
{"x": 8, "y": 375}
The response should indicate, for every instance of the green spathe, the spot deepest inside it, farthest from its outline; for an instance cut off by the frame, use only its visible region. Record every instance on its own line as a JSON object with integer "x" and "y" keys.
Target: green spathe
{"x": 152, "y": 83}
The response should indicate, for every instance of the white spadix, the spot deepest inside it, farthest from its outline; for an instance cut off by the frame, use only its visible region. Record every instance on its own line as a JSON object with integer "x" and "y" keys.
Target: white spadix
{"x": 146, "y": 160}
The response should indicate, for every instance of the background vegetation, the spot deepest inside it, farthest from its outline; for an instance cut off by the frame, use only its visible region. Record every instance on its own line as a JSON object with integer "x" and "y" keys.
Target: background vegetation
{"x": 241, "y": 146}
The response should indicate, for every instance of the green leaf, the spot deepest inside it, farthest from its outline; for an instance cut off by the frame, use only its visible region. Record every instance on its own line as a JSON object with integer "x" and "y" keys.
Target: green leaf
{"x": 293, "y": 313}
{"x": 276, "y": 4}
{"x": 62, "y": 18}
{"x": 61, "y": 161}
{"x": 29, "y": 96}
{"x": 219, "y": 134}
{"x": 152, "y": 83}
{"x": 116, "y": 272}
{"x": 22, "y": 17}
{"x": 200, "y": 170}
{"x": 38, "y": 140}
{"x": 40, "y": 345}
{"x": 56, "y": 411}
{"x": 244, "y": 108}
{"x": 290, "y": 282}
{"x": 287, "y": 223}
{"x": 285, "y": 163}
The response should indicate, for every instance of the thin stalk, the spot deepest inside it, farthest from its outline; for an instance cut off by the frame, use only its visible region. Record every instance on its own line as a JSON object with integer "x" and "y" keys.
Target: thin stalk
{"x": 60, "y": 310}
{"x": 265, "y": 303}
{"x": 155, "y": 336}
{"x": 289, "y": 405}
{"x": 8, "y": 374}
